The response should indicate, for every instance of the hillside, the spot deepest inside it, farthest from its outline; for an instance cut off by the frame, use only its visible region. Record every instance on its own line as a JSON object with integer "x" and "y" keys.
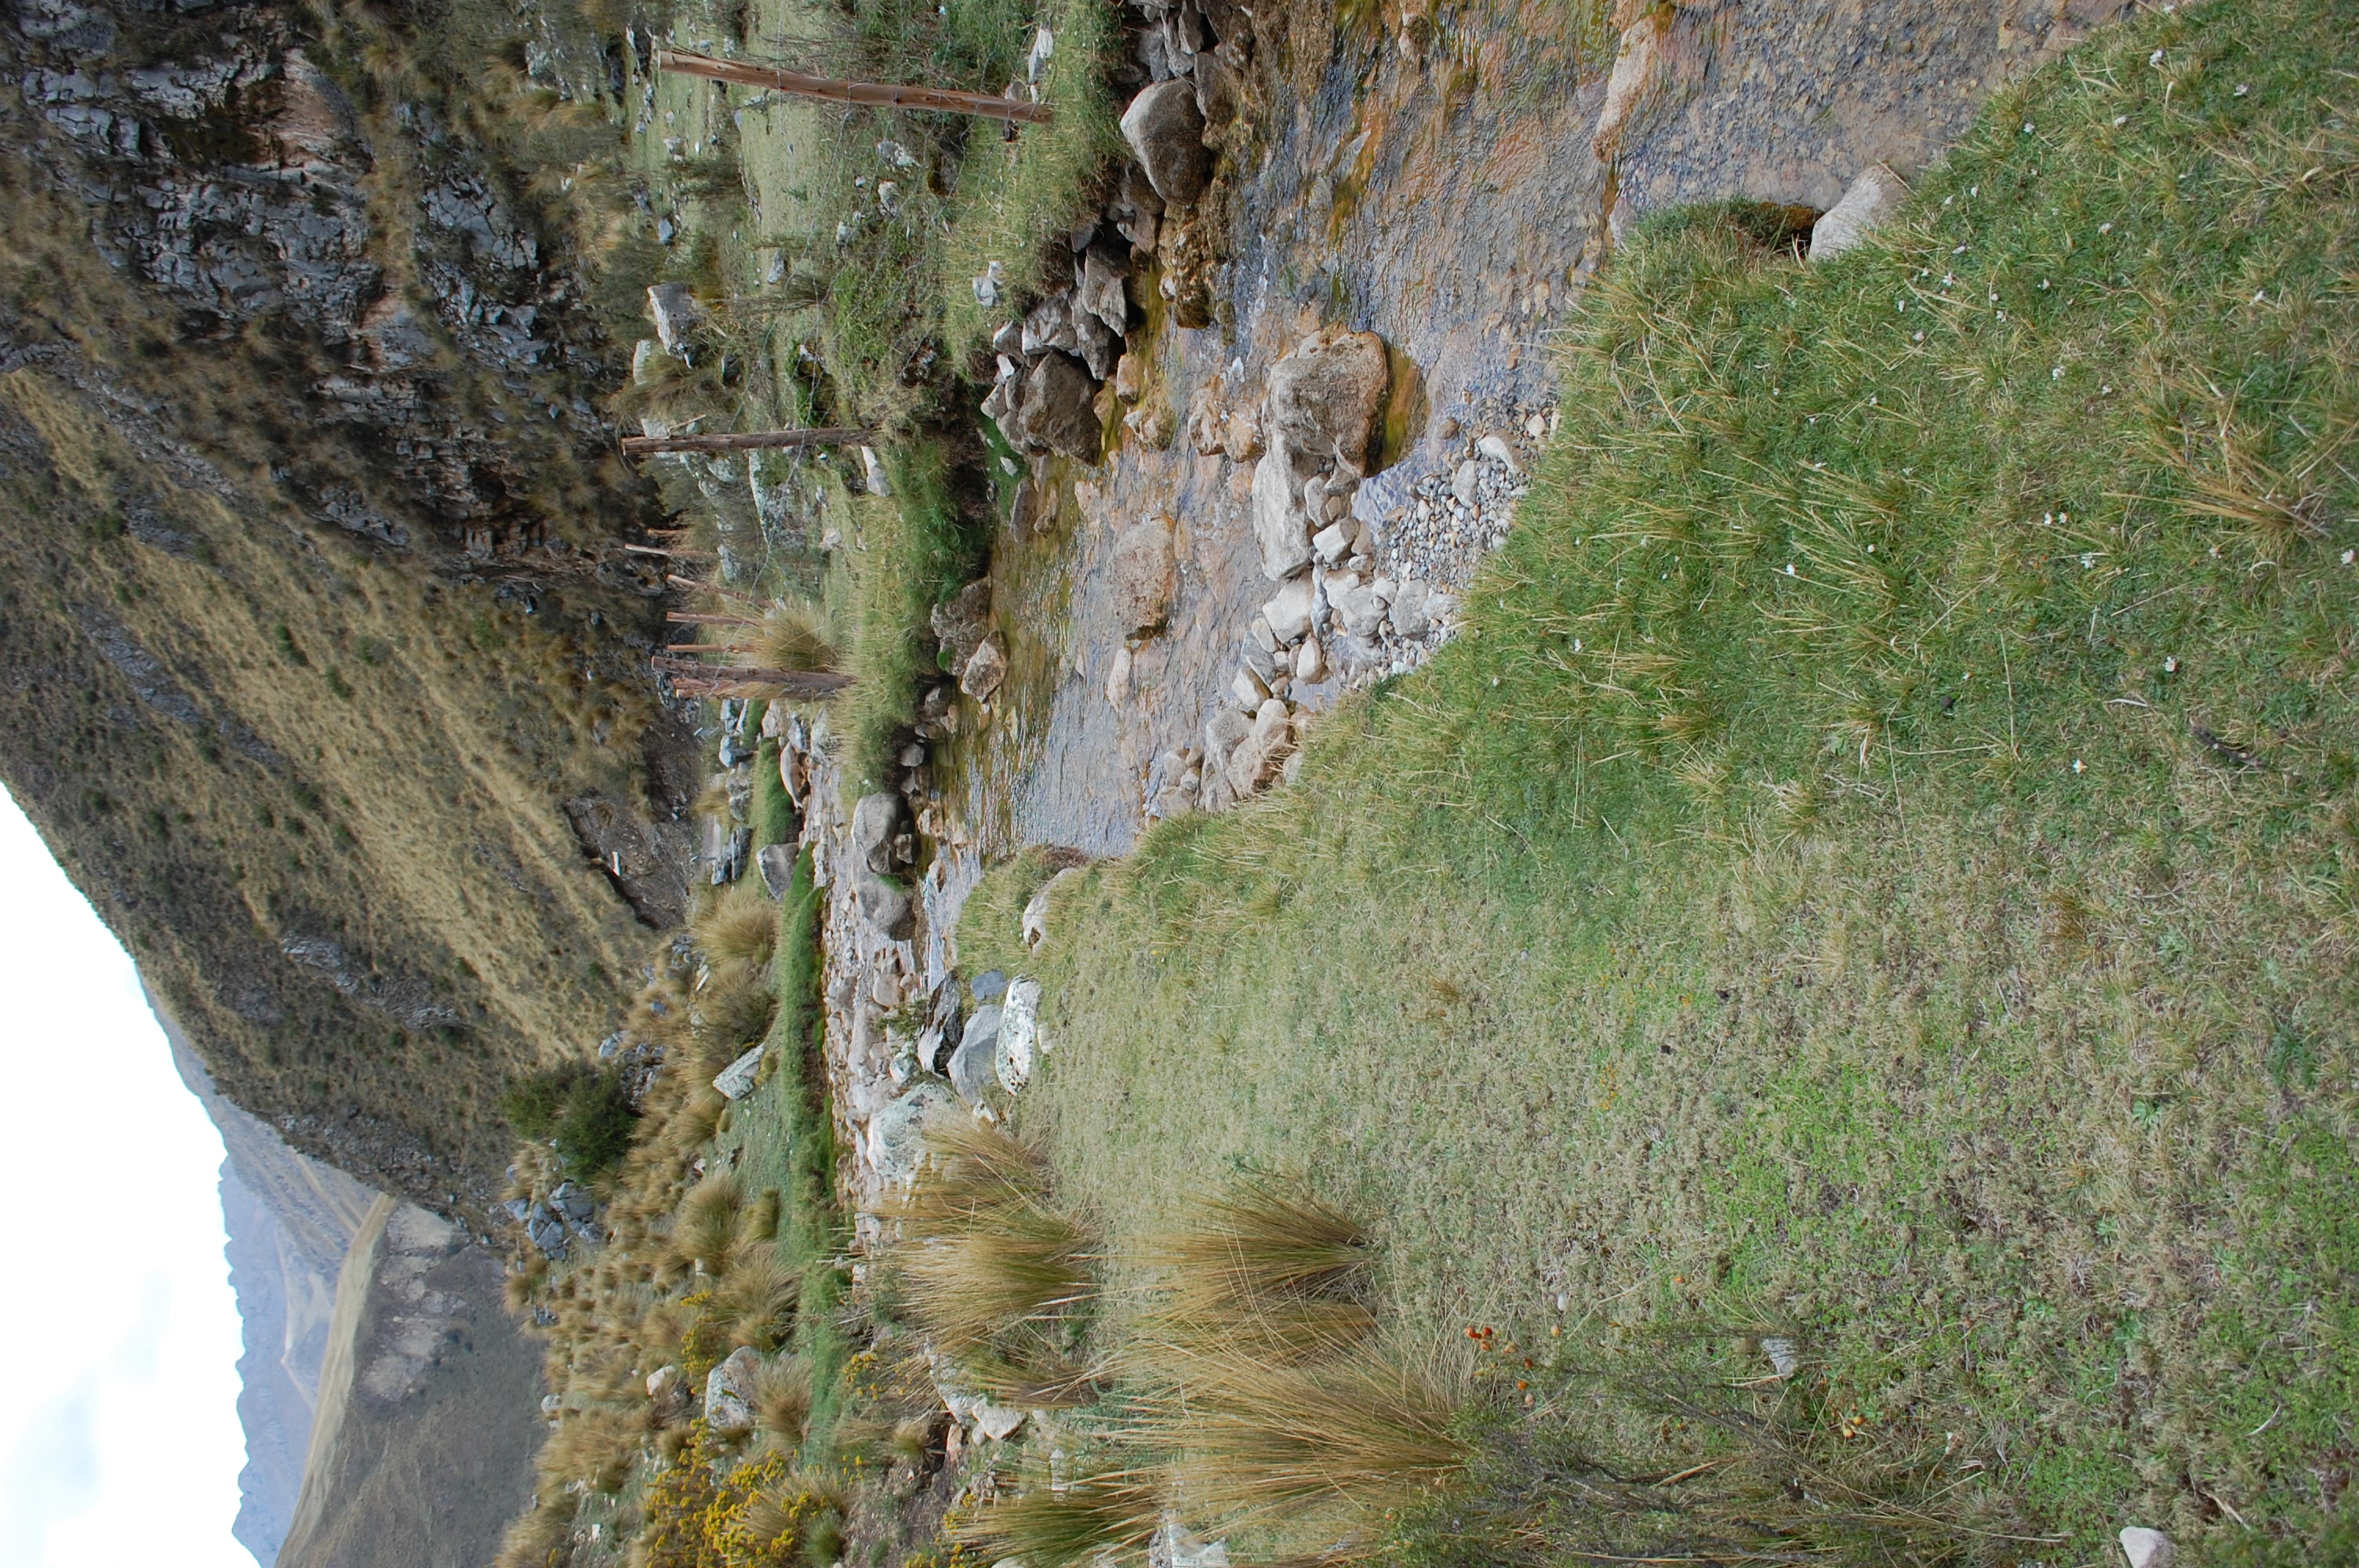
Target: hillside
{"x": 316, "y": 672}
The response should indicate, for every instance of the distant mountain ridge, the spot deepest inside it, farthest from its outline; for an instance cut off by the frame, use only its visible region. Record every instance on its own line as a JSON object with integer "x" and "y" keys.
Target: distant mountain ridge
{"x": 291, "y": 1221}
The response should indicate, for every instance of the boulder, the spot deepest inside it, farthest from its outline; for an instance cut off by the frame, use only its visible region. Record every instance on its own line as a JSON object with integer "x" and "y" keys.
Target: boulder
{"x": 1258, "y": 756}
{"x": 1361, "y": 611}
{"x": 1289, "y": 612}
{"x": 1223, "y": 730}
{"x": 963, "y": 620}
{"x": 729, "y": 1392}
{"x": 1145, "y": 572}
{"x": 977, "y": 1058}
{"x": 1407, "y": 612}
{"x": 1036, "y": 917}
{"x": 677, "y": 316}
{"x": 735, "y": 1081}
{"x": 776, "y": 864}
{"x": 1870, "y": 199}
{"x": 1019, "y": 1033}
{"x": 883, "y": 905}
{"x": 877, "y": 821}
{"x": 2147, "y": 1548}
{"x": 1325, "y": 395}
{"x": 663, "y": 1381}
{"x": 944, "y": 1019}
{"x": 896, "y": 1135}
{"x": 1099, "y": 291}
{"x": 1280, "y": 526}
{"x": 997, "y": 1422}
{"x": 1050, "y": 325}
{"x": 981, "y": 675}
{"x": 1164, "y": 129}
{"x": 1056, "y": 415}
{"x": 1309, "y": 663}
{"x": 988, "y": 986}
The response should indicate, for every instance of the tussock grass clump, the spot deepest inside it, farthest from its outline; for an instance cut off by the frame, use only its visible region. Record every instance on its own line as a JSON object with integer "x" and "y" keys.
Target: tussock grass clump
{"x": 538, "y": 1537}
{"x": 756, "y": 1300}
{"x": 1261, "y": 1264}
{"x": 1053, "y": 1523}
{"x": 789, "y": 638}
{"x": 782, "y": 1401}
{"x": 1261, "y": 1446}
{"x": 706, "y": 1233}
{"x": 993, "y": 1266}
{"x": 740, "y": 927}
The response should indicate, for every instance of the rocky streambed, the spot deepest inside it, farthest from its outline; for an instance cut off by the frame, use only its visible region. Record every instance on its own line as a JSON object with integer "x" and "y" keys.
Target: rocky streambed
{"x": 1283, "y": 408}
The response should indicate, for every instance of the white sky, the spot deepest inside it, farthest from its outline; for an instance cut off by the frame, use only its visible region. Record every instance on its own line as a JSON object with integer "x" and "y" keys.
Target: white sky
{"x": 119, "y": 1442}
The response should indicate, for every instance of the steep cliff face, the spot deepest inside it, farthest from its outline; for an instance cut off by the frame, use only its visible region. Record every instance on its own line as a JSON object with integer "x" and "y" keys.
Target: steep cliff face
{"x": 316, "y": 641}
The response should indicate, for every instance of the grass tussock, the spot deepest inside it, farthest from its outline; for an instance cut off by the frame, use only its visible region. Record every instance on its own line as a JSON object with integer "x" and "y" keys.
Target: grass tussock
{"x": 740, "y": 927}
{"x": 999, "y": 1272}
{"x": 1049, "y": 1523}
{"x": 1265, "y": 1264}
{"x": 1307, "y": 1451}
{"x": 782, "y": 1402}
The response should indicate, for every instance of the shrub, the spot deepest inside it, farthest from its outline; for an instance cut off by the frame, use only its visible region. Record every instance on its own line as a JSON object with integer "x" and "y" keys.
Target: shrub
{"x": 584, "y": 1111}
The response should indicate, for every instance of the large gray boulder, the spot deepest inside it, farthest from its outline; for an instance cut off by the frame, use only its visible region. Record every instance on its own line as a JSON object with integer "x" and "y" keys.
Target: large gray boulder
{"x": 1145, "y": 571}
{"x": 1281, "y": 527}
{"x": 776, "y": 864}
{"x": 677, "y": 318}
{"x": 735, "y": 1081}
{"x": 897, "y": 1135}
{"x": 976, "y": 1060}
{"x": 885, "y": 905}
{"x": 729, "y": 1392}
{"x": 981, "y": 675}
{"x": 1055, "y": 413}
{"x": 1164, "y": 129}
{"x": 1325, "y": 395}
{"x": 961, "y": 622}
{"x": 1873, "y": 195}
{"x": 876, "y": 822}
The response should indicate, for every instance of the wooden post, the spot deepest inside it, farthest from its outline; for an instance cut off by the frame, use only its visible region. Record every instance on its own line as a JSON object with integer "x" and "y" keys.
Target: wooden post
{"x": 712, "y": 587}
{"x": 777, "y": 78}
{"x": 695, "y": 618}
{"x": 666, "y": 552}
{"x": 743, "y": 441}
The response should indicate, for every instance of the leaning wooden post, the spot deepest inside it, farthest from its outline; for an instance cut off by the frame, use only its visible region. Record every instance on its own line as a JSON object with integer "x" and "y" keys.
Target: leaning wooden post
{"x": 743, "y": 441}
{"x": 779, "y": 80}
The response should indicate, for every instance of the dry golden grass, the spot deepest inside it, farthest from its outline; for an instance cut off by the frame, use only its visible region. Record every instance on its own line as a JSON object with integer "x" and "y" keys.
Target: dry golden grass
{"x": 1260, "y": 1266}
{"x": 1306, "y": 1449}
{"x": 756, "y": 1302}
{"x": 789, "y": 639}
{"x": 705, "y": 1235}
{"x": 740, "y": 927}
{"x": 1050, "y": 1524}
{"x": 538, "y": 1537}
{"x": 782, "y": 1402}
{"x": 995, "y": 1268}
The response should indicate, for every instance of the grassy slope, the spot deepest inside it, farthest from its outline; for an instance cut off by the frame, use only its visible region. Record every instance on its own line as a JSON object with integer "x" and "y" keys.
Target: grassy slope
{"x": 1876, "y": 950}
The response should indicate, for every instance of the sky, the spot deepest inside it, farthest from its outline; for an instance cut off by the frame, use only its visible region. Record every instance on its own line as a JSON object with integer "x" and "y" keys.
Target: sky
{"x": 119, "y": 1441}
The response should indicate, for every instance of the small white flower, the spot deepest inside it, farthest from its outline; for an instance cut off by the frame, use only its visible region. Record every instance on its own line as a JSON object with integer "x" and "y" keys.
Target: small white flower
{"x": 1918, "y": 337}
{"x": 2121, "y": 119}
{"x": 2242, "y": 88}
{"x": 2078, "y": 766}
{"x": 2262, "y": 297}
{"x": 2055, "y": 372}
{"x": 1789, "y": 568}
{"x": 2170, "y": 666}
{"x": 2027, "y": 128}
{"x": 2155, "y": 59}
{"x": 2104, "y": 228}
{"x": 2349, "y": 555}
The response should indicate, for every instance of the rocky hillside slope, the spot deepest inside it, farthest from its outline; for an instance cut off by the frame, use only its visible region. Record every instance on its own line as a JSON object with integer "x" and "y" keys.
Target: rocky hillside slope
{"x": 315, "y": 667}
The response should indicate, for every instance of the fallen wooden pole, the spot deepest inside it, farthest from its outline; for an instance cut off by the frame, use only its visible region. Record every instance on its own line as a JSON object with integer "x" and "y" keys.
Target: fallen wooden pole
{"x": 777, "y": 78}
{"x": 667, "y": 552}
{"x": 811, "y": 683}
{"x": 705, "y": 647}
{"x": 745, "y": 441}
{"x": 698, "y": 618}
{"x": 712, "y": 587}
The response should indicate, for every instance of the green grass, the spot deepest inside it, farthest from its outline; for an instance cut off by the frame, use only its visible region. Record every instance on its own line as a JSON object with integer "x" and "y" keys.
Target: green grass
{"x": 1939, "y": 952}
{"x": 785, "y": 1145}
{"x": 913, "y": 552}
